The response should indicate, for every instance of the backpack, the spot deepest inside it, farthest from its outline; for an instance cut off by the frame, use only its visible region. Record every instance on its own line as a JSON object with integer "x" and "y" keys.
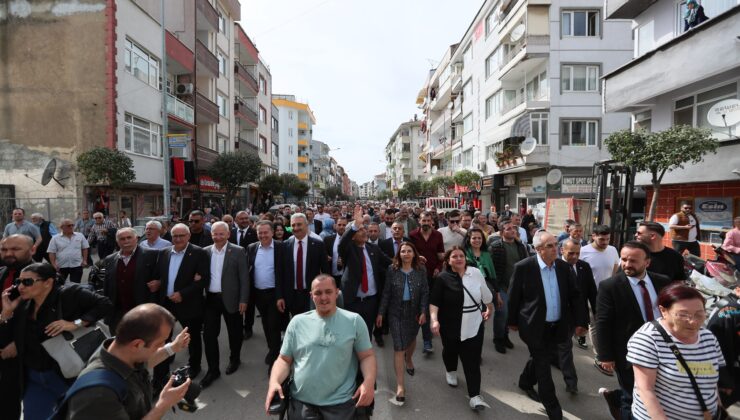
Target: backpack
{"x": 97, "y": 377}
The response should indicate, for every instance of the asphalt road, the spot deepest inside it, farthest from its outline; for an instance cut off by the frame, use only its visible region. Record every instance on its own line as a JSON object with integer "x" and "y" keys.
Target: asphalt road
{"x": 242, "y": 395}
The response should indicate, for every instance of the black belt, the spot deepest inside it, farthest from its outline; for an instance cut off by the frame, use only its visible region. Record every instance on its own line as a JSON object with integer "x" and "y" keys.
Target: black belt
{"x": 552, "y": 324}
{"x": 362, "y": 299}
{"x": 214, "y": 294}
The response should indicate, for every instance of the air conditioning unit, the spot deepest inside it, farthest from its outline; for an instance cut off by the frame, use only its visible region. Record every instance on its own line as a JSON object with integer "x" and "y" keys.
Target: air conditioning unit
{"x": 482, "y": 166}
{"x": 184, "y": 89}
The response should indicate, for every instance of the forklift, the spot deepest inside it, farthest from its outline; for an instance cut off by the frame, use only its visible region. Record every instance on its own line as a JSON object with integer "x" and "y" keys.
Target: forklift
{"x": 614, "y": 183}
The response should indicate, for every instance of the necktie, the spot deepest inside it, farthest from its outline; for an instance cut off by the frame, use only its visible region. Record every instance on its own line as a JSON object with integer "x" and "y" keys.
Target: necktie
{"x": 395, "y": 248}
{"x": 299, "y": 267}
{"x": 241, "y": 237}
{"x": 364, "y": 271}
{"x": 646, "y": 300}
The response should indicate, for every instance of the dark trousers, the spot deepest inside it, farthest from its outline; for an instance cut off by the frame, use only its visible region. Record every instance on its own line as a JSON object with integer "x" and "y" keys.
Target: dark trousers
{"x": 300, "y": 411}
{"x": 537, "y": 371}
{"x": 104, "y": 250}
{"x": 249, "y": 314}
{"x": 195, "y": 352}
{"x": 626, "y": 379}
{"x": 469, "y": 352}
{"x": 74, "y": 274}
{"x": 367, "y": 308}
{"x": 264, "y": 300}
{"x": 693, "y": 247}
{"x": 563, "y": 358}
{"x": 212, "y": 328}
{"x": 10, "y": 388}
{"x": 301, "y": 302}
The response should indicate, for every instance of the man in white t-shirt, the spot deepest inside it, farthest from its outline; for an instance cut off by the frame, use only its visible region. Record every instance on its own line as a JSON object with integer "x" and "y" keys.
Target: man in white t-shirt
{"x": 516, "y": 220}
{"x": 604, "y": 261}
{"x": 453, "y": 234}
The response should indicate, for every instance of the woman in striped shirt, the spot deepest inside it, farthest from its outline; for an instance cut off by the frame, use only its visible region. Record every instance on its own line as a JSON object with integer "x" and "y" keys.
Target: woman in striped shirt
{"x": 663, "y": 389}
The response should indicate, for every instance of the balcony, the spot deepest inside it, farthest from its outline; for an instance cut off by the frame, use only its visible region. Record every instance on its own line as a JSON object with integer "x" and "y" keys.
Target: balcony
{"x": 206, "y": 16}
{"x": 206, "y": 157}
{"x": 303, "y": 176}
{"x": 233, "y": 8}
{"x": 206, "y": 111}
{"x": 457, "y": 109}
{"x": 246, "y": 51}
{"x": 303, "y": 142}
{"x": 179, "y": 56}
{"x": 206, "y": 60}
{"x": 241, "y": 71}
{"x": 180, "y": 110}
{"x": 246, "y": 145}
{"x": 524, "y": 56}
{"x": 626, "y": 9}
{"x": 302, "y": 159}
{"x": 245, "y": 113}
{"x": 302, "y": 126}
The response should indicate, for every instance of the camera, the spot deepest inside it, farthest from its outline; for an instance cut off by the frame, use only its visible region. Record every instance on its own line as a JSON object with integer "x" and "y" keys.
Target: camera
{"x": 179, "y": 377}
{"x": 14, "y": 293}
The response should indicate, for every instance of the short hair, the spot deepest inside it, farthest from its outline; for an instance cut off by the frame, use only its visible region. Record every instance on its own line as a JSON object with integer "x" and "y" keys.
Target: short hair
{"x": 505, "y": 221}
{"x": 601, "y": 230}
{"x": 21, "y": 209}
{"x": 98, "y": 214}
{"x": 155, "y": 223}
{"x": 180, "y": 226}
{"x": 265, "y": 223}
{"x": 125, "y": 230}
{"x": 453, "y": 213}
{"x": 576, "y": 226}
{"x": 677, "y": 292}
{"x": 220, "y": 224}
{"x": 240, "y": 212}
{"x": 465, "y": 213}
{"x": 537, "y": 238}
{"x": 426, "y": 213}
{"x": 637, "y": 245}
{"x": 39, "y": 215}
{"x": 571, "y": 241}
{"x": 143, "y": 322}
{"x": 322, "y": 277}
{"x": 298, "y": 216}
{"x": 44, "y": 270}
{"x": 654, "y": 227}
{"x": 375, "y": 223}
{"x": 569, "y": 222}
{"x": 197, "y": 213}
{"x": 449, "y": 252}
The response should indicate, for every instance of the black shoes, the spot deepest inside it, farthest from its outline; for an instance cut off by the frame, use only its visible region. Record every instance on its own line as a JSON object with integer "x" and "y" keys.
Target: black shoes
{"x": 531, "y": 393}
{"x": 232, "y": 367}
{"x": 194, "y": 372}
{"x": 581, "y": 342}
{"x": 248, "y": 334}
{"x": 508, "y": 343}
{"x": 571, "y": 389}
{"x": 498, "y": 343}
{"x": 209, "y": 378}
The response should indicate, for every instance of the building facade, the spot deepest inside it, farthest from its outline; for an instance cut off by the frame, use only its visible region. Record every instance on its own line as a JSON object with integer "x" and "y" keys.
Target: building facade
{"x": 704, "y": 93}
{"x": 402, "y": 154}
{"x": 296, "y": 131}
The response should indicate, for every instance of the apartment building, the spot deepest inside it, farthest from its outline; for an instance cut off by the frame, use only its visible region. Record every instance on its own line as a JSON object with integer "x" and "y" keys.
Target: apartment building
{"x": 379, "y": 184}
{"x": 402, "y": 154}
{"x": 319, "y": 168}
{"x": 525, "y": 69}
{"x": 680, "y": 76}
{"x": 296, "y": 131}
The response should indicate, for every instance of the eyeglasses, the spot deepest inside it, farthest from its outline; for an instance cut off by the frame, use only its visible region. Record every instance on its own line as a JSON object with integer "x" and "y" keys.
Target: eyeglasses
{"x": 453, "y": 221}
{"x": 686, "y": 317}
{"x": 548, "y": 245}
{"x": 28, "y": 282}
{"x": 179, "y": 236}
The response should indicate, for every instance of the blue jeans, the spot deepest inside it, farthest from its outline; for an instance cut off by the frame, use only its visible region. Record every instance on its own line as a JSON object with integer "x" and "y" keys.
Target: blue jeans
{"x": 43, "y": 389}
{"x": 500, "y": 315}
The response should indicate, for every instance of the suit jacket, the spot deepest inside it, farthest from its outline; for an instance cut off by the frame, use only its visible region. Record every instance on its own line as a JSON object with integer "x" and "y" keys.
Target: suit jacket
{"x": 196, "y": 261}
{"x": 252, "y": 257}
{"x": 250, "y": 237}
{"x": 527, "y": 305}
{"x": 586, "y": 284}
{"x": 234, "y": 277}
{"x": 618, "y": 315}
{"x": 316, "y": 263}
{"x": 386, "y": 245}
{"x": 352, "y": 256}
{"x": 145, "y": 270}
{"x": 318, "y": 226}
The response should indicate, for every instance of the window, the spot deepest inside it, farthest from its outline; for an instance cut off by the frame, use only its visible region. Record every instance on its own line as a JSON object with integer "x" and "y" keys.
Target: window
{"x": 493, "y": 105}
{"x": 221, "y": 23}
{"x": 141, "y": 64}
{"x": 579, "y": 78}
{"x": 509, "y": 101}
{"x": 493, "y": 61}
{"x": 537, "y": 88}
{"x": 693, "y": 109}
{"x": 141, "y": 136}
{"x": 490, "y": 22}
{"x": 579, "y": 132}
{"x": 290, "y": 115}
{"x": 222, "y": 105}
{"x": 580, "y": 23}
{"x": 221, "y": 144}
{"x": 468, "y": 123}
{"x": 263, "y": 144}
{"x": 263, "y": 85}
{"x": 274, "y": 124}
{"x": 468, "y": 90}
{"x": 263, "y": 115}
{"x": 642, "y": 121}
{"x": 468, "y": 158}
{"x": 468, "y": 56}
{"x": 539, "y": 127}
{"x": 290, "y": 167}
{"x": 221, "y": 63}
{"x": 644, "y": 39}
{"x": 290, "y": 132}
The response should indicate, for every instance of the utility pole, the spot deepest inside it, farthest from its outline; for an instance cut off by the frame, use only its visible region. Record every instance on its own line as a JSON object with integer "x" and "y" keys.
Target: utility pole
{"x": 165, "y": 138}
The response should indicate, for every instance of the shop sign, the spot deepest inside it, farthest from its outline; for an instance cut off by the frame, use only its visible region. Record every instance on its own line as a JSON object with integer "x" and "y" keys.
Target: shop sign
{"x": 576, "y": 184}
{"x": 534, "y": 185}
{"x": 509, "y": 180}
{"x": 208, "y": 184}
{"x": 487, "y": 181}
{"x": 714, "y": 211}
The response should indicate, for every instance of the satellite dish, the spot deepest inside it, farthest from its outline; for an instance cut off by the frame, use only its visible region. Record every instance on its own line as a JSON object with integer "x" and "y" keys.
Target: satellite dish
{"x": 517, "y": 33}
{"x": 724, "y": 113}
{"x": 554, "y": 176}
{"x": 528, "y": 146}
{"x": 434, "y": 169}
{"x": 49, "y": 173}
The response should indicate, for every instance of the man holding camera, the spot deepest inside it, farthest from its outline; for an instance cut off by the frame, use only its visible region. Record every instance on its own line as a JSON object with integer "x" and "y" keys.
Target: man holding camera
{"x": 139, "y": 342}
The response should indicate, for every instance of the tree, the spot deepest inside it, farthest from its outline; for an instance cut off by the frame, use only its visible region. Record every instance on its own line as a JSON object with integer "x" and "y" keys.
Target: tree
{"x": 271, "y": 183}
{"x": 466, "y": 178}
{"x": 443, "y": 182}
{"x": 413, "y": 188}
{"x": 101, "y": 165}
{"x": 660, "y": 152}
{"x": 331, "y": 193}
{"x": 234, "y": 169}
{"x": 294, "y": 186}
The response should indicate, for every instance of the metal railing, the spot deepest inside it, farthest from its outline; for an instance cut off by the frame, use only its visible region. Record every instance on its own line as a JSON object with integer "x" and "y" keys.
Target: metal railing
{"x": 180, "y": 109}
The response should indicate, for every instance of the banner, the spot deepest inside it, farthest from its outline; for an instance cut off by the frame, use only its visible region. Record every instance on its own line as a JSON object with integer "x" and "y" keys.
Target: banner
{"x": 714, "y": 211}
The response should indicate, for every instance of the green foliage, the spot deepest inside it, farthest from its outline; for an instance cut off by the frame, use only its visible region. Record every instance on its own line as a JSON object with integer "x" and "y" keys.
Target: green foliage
{"x": 331, "y": 193}
{"x": 443, "y": 182}
{"x": 466, "y": 178}
{"x": 294, "y": 186}
{"x": 234, "y": 169}
{"x": 428, "y": 188}
{"x": 413, "y": 188}
{"x": 271, "y": 183}
{"x": 101, "y": 165}
{"x": 383, "y": 195}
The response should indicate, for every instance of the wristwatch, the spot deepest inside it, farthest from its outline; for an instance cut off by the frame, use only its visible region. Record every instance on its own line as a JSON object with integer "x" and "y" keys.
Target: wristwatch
{"x": 78, "y": 323}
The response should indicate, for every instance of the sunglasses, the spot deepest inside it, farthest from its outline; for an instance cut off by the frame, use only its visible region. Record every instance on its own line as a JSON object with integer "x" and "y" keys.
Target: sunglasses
{"x": 26, "y": 282}
{"x": 454, "y": 221}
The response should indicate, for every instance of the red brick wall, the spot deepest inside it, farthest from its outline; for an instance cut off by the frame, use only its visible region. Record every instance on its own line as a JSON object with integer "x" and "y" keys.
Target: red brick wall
{"x": 671, "y": 195}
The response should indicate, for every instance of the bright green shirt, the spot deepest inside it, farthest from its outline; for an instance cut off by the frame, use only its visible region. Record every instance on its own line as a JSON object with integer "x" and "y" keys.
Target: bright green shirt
{"x": 324, "y": 353}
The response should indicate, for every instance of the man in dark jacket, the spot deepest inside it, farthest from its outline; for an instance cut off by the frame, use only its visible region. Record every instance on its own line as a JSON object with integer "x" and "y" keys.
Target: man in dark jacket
{"x": 198, "y": 234}
{"x": 47, "y": 231}
{"x": 506, "y": 250}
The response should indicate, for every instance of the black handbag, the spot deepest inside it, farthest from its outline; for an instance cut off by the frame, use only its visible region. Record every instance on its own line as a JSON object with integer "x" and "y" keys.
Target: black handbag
{"x": 722, "y": 414}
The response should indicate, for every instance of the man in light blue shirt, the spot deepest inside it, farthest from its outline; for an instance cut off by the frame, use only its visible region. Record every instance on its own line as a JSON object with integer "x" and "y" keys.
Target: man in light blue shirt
{"x": 20, "y": 226}
{"x": 152, "y": 240}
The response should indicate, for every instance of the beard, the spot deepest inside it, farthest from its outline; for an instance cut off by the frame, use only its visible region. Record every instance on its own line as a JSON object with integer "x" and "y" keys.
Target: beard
{"x": 425, "y": 227}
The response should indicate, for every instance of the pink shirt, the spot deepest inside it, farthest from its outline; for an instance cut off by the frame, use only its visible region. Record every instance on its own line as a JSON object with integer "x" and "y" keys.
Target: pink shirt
{"x": 732, "y": 241}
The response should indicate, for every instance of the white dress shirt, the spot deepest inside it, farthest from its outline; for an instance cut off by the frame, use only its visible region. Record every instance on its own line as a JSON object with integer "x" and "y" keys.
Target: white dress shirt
{"x": 637, "y": 290}
{"x": 264, "y": 266}
{"x": 217, "y": 268}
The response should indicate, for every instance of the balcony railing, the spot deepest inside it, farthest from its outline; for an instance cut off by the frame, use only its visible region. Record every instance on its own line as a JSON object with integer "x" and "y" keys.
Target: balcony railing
{"x": 244, "y": 111}
{"x": 206, "y": 157}
{"x": 180, "y": 109}
{"x": 241, "y": 71}
{"x": 207, "y": 16}
{"x": 206, "y": 110}
{"x": 206, "y": 59}
{"x": 250, "y": 145}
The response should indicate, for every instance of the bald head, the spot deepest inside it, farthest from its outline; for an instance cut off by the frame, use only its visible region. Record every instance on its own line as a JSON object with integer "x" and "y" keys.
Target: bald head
{"x": 16, "y": 250}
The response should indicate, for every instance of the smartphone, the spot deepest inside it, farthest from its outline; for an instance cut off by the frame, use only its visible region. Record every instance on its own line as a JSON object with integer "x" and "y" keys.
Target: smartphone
{"x": 14, "y": 293}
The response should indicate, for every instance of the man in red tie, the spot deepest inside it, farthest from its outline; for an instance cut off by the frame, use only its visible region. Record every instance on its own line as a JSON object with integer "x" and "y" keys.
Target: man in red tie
{"x": 364, "y": 273}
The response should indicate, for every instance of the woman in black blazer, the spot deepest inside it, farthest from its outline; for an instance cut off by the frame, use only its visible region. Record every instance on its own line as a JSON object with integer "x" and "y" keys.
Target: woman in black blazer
{"x": 34, "y": 318}
{"x": 405, "y": 300}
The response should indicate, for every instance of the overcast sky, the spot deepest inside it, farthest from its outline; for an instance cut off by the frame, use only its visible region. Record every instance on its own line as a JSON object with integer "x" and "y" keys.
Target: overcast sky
{"x": 358, "y": 64}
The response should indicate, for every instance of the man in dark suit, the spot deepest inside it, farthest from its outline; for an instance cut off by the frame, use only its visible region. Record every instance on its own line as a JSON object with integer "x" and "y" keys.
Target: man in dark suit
{"x": 264, "y": 259}
{"x": 390, "y": 246}
{"x": 314, "y": 225}
{"x": 184, "y": 271}
{"x": 571, "y": 248}
{"x": 545, "y": 306}
{"x": 131, "y": 276}
{"x": 331, "y": 243}
{"x": 226, "y": 296}
{"x": 624, "y": 303}
{"x": 364, "y": 274}
{"x": 244, "y": 235}
{"x": 304, "y": 258}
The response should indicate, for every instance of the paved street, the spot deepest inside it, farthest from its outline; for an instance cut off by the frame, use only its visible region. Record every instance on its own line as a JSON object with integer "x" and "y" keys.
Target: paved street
{"x": 241, "y": 395}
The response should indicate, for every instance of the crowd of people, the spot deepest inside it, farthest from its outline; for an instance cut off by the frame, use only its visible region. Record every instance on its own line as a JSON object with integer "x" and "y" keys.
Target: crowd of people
{"x": 329, "y": 280}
